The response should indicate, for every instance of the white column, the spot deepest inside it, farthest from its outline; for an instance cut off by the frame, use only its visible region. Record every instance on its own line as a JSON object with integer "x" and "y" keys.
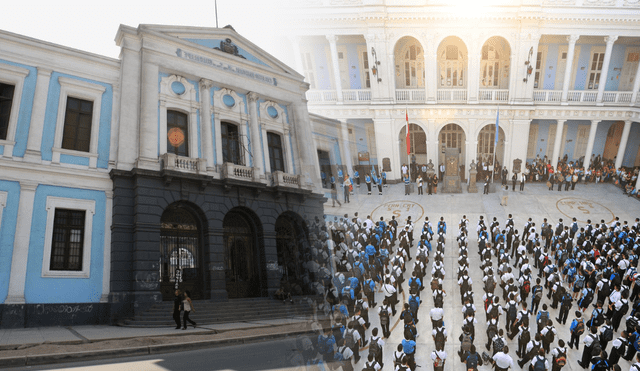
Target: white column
{"x": 513, "y": 70}
{"x": 558, "y": 142}
{"x": 128, "y": 134}
{"x": 336, "y": 67}
{"x": 148, "y": 156}
{"x": 528, "y": 91}
{"x": 207, "y": 133}
{"x": 256, "y": 145}
{"x": 568, "y": 70}
{"x": 471, "y": 154}
{"x": 590, "y": 142}
{"x": 610, "y": 40}
{"x": 623, "y": 143}
{"x": 473, "y": 81}
{"x": 519, "y": 141}
{"x": 37, "y": 116}
{"x": 346, "y": 148}
{"x": 387, "y": 147}
{"x": 432, "y": 142}
{"x": 308, "y": 157}
{"x": 21, "y": 244}
{"x": 106, "y": 258}
{"x": 636, "y": 87}
{"x": 431, "y": 69}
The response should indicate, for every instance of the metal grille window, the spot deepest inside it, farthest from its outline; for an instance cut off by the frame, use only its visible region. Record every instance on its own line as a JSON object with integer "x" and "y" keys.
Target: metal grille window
{"x": 451, "y": 136}
{"x": 77, "y": 125}
{"x": 68, "y": 239}
{"x": 6, "y": 100}
{"x": 177, "y": 133}
{"x": 276, "y": 155}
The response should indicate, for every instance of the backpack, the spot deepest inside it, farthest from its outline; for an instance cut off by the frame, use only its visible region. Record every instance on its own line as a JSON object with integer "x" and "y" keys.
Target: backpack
{"x": 625, "y": 306}
{"x": 323, "y": 345}
{"x": 561, "y": 359}
{"x": 559, "y": 229}
{"x": 492, "y": 330}
{"x": 349, "y": 339}
{"x": 579, "y": 327}
{"x": 367, "y": 288}
{"x": 489, "y": 284}
{"x": 339, "y": 356}
{"x": 468, "y": 310}
{"x": 384, "y": 316}
{"x": 607, "y": 335}
{"x": 413, "y": 303}
{"x": 466, "y": 342}
{"x": 472, "y": 362}
{"x": 538, "y": 292}
{"x": 368, "y": 367}
{"x": 587, "y": 298}
{"x": 526, "y": 336}
{"x": 544, "y": 317}
{"x": 526, "y": 286}
{"x": 579, "y": 282}
{"x": 439, "y": 300}
{"x": 374, "y": 348}
{"x": 512, "y": 312}
{"x": 465, "y": 284}
{"x": 498, "y": 344}
{"x": 606, "y": 289}
{"x": 494, "y": 313}
{"x": 601, "y": 365}
{"x": 549, "y": 337}
{"x": 539, "y": 365}
{"x": 439, "y": 337}
{"x": 434, "y": 285}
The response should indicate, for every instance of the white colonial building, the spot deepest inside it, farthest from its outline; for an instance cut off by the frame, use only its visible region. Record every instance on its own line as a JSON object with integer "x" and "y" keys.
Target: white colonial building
{"x": 563, "y": 73}
{"x": 187, "y": 161}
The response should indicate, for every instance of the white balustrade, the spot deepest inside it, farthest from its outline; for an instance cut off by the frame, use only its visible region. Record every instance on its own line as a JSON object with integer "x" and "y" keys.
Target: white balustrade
{"x": 281, "y": 179}
{"x": 410, "y": 95}
{"x": 183, "y": 164}
{"x": 452, "y": 95}
{"x": 320, "y": 96}
{"x": 356, "y": 95}
{"x": 237, "y": 172}
{"x": 494, "y": 95}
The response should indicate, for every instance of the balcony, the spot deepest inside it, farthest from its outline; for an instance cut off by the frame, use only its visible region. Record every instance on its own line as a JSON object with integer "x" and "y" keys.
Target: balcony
{"x": 322, "y": 96}
{"x": 281, "y": 179}
{"x": 237, "y": 172}
{"x": 356, "y": 95}
{"x": 547, "y": 96}
{"x": 494, "y": 95}
{"x": 411, "y": 95}
{"x": 452, "y": 96}
{"x": 583, "y": 97}
{"x": 183, "y": 164}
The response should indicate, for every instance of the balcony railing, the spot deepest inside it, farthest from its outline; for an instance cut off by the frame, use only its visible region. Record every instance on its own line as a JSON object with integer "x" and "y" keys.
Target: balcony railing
{"x": 548, "y": 96}
{"x": 356, "y": 95}
{"x": 494, "y": 95}
{"x": 452, "y": 95}
{"x": 281, "y": 179}
{"x": 237, "y": 172}
{"x": 319, "y": 96}
{"x": 582, "y": 96}
{"x": 183, "y": 164}
{"x": 410, "y": 95}
{"x": 617, "y": 97}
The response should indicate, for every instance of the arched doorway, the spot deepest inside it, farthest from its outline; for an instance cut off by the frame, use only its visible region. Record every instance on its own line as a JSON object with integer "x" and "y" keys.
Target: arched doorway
{"x": 245, "y": 271}
{"x": 417, "y": 147}
{"x": 486, "y": 146}
{"x": 452, "y": 136}
{"x": 494, "y": 64}
{"x": 292, "y": 246}
{"x": 180, "y": 253}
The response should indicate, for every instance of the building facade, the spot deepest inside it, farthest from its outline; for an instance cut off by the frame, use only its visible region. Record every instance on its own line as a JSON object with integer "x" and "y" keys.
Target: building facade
{"x": 564, "y": 76}
{"x": 188, "y": 161}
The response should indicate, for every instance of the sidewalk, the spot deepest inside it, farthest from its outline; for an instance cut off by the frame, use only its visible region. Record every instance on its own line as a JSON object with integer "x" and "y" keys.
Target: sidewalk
{"x": 45, "y": 345}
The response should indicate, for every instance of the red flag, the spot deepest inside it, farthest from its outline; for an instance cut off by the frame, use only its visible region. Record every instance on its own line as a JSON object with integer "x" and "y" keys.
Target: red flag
{"x": 406, "y": 115}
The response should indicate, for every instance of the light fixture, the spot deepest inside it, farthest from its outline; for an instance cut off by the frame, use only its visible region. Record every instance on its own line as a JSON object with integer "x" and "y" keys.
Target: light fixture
{"x": 529, "y": 67}
{"x": 376, "y": 63}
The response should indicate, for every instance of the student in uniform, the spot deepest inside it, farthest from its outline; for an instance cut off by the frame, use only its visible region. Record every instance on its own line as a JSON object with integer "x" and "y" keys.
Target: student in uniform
{"x": 439, "y": 357}
{"x": 502, "y": 360}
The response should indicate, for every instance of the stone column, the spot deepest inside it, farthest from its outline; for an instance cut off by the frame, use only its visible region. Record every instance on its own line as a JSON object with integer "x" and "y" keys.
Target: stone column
{"x": 386, "y": 146}
{"x": 431, "y": 68}
{"x": 336, "y": 67}
{"x": 568, "y": 68}
{"x": 557, "y": 144}
{"x": 148, "y": 155}
{"x": 519, "y": 141}
{"x": 106, "y": 257}
{"x": 256, "y": 147}
{"x": 591, "y": 141}
{"x": 610, "y": 40}
{"x": 473, "y": 81}
{"x": 37, "y": 116}
{"x": 345, "y": 148}
{"x": 636, "y": 87}
{"x": 308, "y": 157}
{"x": 206, "y": 122}
{"x": 623, "y": 143}
{"x": 128, "y": 135}
{"x": 21, "y": 244}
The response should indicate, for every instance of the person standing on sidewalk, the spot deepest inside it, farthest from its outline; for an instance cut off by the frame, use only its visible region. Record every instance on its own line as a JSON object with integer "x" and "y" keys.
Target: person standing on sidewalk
{"x": 347, "y": 188}
{"x": 177, "y": 307}
{"x": 187, "y": 305}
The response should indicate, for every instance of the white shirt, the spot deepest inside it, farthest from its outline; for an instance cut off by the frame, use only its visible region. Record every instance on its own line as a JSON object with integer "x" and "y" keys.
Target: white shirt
{"x": 503, "y": 360}
{"x": 436, "y": 313}
{"x": 438, "y": 353}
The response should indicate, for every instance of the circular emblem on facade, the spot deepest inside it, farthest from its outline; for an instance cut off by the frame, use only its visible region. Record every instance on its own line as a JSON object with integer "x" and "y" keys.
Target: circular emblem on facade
{"x": 400, "y": 209}
{"x": 175, "y": 136}
{"x": 272, "y": 111}
{"x": 583, "y": 209}
{"x": 228, "y": 100}
{"x": 178, "y": 87}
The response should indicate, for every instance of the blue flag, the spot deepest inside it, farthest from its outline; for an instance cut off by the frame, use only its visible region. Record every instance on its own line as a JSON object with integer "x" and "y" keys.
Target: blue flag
{"x": 497, "y": 126}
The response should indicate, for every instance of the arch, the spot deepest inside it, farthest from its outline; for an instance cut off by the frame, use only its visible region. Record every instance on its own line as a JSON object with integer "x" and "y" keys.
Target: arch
{"x": 418, "y": 144}
{"x": 486, "y": 146}
{"x": 495, "y": 61}
{"x": 409, "y": 63}
{"x": 244, "y": 254}
{"x": 292, "y": 244}
{"x": 452, "y": 59}
{"x": 181, "y": 250}
{"x": 451, "y": 135}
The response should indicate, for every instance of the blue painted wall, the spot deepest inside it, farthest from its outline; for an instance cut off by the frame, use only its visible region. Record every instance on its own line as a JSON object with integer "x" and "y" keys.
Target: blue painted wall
{"x": 25, "y": 109}
{"x": 215, "y": 43}
{"x": 543, "y": 136}
{"x": 601, "y": 137}
{"x": 7, "y": 233}
{"x": 323, "y": 71}
{"x": 551, "y": 66}
{"x": 64, "y": 290}
{"x": 617, "y": 61}
{"x": 582, "y": 73}
{"x": 572, "y": 135}
{"x": 359, "y": 128}
{"x": 355, "y": 82}
{"x": 632, "y": 145}
{"x": 51, "y": 114}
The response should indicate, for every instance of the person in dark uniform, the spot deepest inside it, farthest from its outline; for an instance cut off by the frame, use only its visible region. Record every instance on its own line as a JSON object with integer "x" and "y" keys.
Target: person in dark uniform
{"x": 514, "y": 180}
{"x": 486, "y": 186}
{"x": 430, "y": 184}
{"x": 505, "y": 173}
{"x": 177, "y": 307}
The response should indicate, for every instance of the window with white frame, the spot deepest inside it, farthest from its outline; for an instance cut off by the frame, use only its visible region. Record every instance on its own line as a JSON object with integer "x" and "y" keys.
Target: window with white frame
{"x": 178, "y": 133}
{"x": 11, "y": 83}
{"x": 595, "y": 69}
{"x": 276, "y": 152}
{"x": 413, "y": 66}
{"x": 67, "y": 249}
{"x": 77, "y": 124}
{"x": 452, "y": 64}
